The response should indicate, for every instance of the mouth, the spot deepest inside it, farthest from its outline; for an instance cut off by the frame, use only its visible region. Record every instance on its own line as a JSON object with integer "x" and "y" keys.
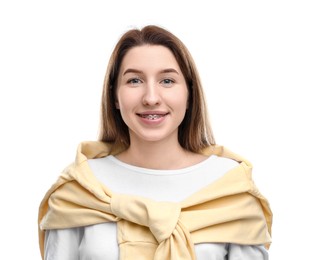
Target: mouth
{"x": 152, "y": 116}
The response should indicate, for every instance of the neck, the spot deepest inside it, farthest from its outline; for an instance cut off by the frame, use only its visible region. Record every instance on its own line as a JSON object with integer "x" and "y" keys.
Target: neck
{"x": 155, "y": 155}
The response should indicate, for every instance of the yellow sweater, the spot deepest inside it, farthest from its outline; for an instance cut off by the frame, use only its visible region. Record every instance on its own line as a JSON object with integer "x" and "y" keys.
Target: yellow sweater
{"x": 230, "y": 210}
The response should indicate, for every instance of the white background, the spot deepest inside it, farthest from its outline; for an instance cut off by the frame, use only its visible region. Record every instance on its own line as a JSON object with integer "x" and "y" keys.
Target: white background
{"x": 256, "y": 63}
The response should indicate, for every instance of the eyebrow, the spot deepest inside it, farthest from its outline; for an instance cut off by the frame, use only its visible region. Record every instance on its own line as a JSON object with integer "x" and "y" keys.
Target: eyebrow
{"x": 170, "y": 70}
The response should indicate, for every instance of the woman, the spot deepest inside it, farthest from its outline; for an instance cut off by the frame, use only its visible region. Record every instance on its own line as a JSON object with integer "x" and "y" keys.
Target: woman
{"x": 155, "y": 186}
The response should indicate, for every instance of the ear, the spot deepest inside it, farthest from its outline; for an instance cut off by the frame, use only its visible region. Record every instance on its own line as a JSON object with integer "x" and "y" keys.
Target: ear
{"x": 117, "y": 105}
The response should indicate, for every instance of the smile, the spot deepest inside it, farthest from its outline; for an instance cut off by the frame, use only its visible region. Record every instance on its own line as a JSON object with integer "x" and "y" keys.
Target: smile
{"x": 152, "y": 116}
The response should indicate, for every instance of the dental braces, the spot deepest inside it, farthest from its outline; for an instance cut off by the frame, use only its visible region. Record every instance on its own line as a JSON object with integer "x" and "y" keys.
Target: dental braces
{"x": 153, "y": 117}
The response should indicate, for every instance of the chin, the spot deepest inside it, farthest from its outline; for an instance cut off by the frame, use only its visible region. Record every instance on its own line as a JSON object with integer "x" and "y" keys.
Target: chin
{"x": 156, "y": 138}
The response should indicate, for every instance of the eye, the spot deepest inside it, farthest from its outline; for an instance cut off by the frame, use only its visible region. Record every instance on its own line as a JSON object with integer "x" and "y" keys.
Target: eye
{"x": 134, "y": 81}
{"x": 167, "y": 82}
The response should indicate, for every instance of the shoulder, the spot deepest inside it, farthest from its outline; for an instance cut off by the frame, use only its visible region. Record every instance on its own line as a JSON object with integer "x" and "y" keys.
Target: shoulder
{"x": 223, "y": 162}
{"x": 97, "y": 164}
{"x": 223, "y": 152}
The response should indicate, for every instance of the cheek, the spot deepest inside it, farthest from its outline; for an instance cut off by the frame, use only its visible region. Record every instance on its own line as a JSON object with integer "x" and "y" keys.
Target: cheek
{"x": 126, "y": 100}
{"x": 179, "y": 100}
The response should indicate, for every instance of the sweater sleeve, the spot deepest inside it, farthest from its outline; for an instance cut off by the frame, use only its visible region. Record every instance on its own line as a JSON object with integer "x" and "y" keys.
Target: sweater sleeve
{"x": 244, "y": 252}
{"x": 62, "y": 244}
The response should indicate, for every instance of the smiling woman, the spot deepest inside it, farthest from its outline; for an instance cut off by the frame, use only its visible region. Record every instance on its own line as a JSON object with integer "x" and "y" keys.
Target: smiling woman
{"x": 152, "y": 97}
{"x": 155, "y": 185}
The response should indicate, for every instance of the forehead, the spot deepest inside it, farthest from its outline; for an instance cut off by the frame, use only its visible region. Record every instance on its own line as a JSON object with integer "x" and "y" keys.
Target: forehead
{"x": 148, "y": 57}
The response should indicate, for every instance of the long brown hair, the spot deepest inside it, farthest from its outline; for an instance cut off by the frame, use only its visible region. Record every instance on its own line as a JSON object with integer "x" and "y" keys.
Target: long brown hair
{"x": 194, "y": 133}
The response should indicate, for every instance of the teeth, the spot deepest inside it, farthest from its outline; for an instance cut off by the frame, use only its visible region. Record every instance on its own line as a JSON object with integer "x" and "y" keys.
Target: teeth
{"x": 152, "y": 117}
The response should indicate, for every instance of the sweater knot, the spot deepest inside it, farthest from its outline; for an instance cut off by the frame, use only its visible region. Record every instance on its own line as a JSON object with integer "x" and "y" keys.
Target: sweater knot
{"x": 160, "y": 217}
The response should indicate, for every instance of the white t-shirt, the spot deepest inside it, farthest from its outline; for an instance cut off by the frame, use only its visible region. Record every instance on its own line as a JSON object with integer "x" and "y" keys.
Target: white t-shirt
{"x": 98, "y": 242}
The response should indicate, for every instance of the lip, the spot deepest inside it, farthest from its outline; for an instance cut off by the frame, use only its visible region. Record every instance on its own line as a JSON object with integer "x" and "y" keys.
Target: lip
{"x": 152, "y": 117}
{"x": 152, "y": 113}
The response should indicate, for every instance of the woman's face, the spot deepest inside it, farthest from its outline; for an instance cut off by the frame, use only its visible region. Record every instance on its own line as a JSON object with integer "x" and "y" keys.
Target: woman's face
{"x": 152, "y": 94}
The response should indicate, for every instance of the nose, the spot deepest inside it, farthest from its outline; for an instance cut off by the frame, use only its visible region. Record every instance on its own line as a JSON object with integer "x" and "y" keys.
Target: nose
{"x": 151, "y": 95}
